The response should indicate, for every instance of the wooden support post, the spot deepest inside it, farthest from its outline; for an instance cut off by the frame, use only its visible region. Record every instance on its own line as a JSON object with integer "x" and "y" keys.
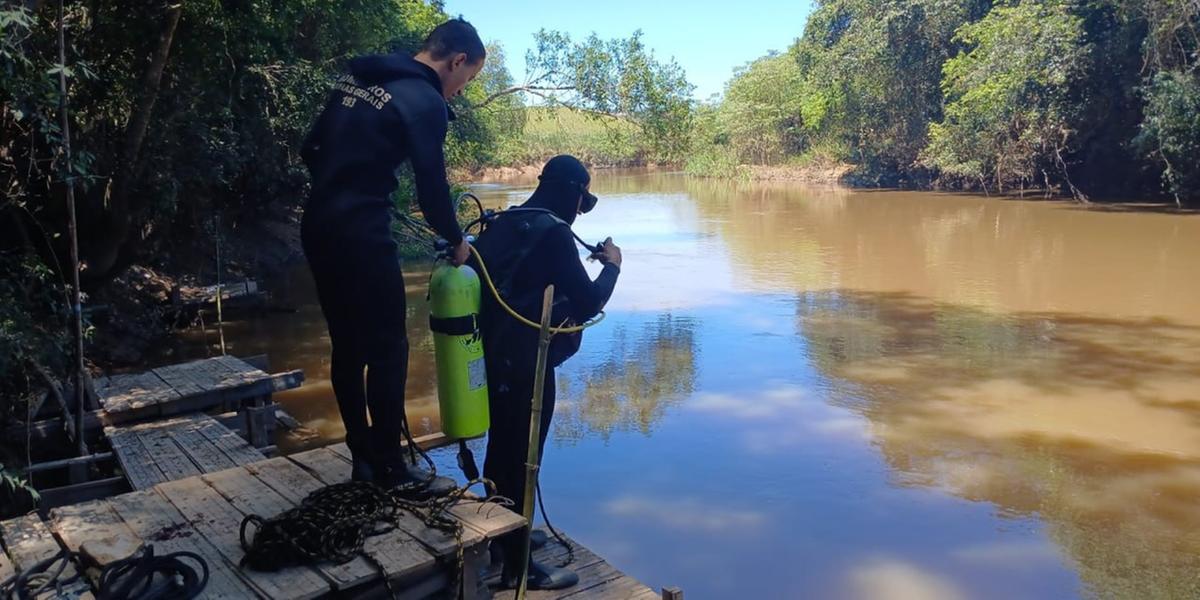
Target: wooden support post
{"x": 672, "y": 593}
{"x": 260, "y": 422}
{"x": 475, "y": 562}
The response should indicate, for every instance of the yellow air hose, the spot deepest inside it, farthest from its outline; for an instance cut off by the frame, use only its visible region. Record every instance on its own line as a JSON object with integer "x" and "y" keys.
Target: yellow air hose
{"x": 518, "y": 316}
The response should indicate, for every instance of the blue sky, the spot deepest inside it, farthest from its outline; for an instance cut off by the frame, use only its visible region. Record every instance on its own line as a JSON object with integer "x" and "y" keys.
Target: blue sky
{"x": 708, "y": 38}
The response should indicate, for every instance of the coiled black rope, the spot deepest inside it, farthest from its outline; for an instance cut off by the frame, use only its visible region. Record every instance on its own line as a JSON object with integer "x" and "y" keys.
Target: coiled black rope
{"x": 142, "y": 576}
{"x": 145, "y": 576}
{"x": 40, "y": 578}
{"x": 331, "y": 523}
{"x": 334, "y": 522}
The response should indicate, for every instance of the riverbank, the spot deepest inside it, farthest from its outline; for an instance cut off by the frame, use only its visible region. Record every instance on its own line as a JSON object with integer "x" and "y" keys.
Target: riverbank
{"x": 133, "y": 313}
{"x": 528, "y": 173}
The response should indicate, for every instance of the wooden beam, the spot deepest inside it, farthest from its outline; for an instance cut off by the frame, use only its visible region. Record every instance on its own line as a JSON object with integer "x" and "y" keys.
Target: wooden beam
{"x": 68, "y": 462}
{"x": 82, "y": 492}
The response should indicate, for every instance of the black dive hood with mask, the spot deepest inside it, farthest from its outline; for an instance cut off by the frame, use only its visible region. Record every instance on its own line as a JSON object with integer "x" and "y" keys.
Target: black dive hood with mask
{"x": 563, "y": 180}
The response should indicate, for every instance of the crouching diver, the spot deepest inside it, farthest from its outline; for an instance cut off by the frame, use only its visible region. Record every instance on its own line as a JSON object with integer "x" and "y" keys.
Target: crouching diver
{"x": 524, "y": 251}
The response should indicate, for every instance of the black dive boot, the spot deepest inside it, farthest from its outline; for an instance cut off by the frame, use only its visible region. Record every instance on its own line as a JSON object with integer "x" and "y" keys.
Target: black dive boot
{"x": 362, "y": 462}
{"x": 537, "y": 539}
{"x": 411, "y": 481}
{"x": 393, "y": 471}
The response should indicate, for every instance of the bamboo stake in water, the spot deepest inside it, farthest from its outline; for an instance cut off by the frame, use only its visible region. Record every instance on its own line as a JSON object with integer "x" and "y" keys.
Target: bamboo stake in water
{"x": 533, "y": 460}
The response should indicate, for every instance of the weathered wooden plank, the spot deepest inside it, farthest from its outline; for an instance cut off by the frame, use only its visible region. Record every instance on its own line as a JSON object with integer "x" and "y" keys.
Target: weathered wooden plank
{"x": 107, "y": 386}
{"x": 238, "y": 365}
{"x": 231, "y": 444}
{"x": 286, "y": 477}
{"x": 400, "y": 556}
{"x": 94, "y": 522}
{"x": 220, "y": 385}
{"x": 138, "y": 465}
{"x": 136, "y": 394}
{"x": 157, "y": 522}
{"x": 169, "y": 457}
{"x": 229, "y": 371}
{"x": 324, "y": 464}
{"x": 219, "y": 523}
{"x": 487, "y": 518}
{"x": 251, "y": 496}
{"x": 341, "y": 450}
{"x": 29, "y": 542}
{"x": 6, "y": 566}
{"x": 201, "y": 450}
{"x": 622, "y": 586}
{"x": 181, "y": 378}
{"x": 222, "y": 381}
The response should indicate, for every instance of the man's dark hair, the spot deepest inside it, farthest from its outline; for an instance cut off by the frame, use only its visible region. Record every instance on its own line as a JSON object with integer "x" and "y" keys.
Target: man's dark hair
{"x": 452, "y": 37}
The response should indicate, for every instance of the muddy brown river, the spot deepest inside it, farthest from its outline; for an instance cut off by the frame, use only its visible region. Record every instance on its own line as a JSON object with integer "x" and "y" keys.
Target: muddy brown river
{"x": 817, "y": 393}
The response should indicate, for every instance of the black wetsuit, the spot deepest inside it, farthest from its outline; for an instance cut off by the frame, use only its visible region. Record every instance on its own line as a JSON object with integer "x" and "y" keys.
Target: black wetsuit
{"x": 510, "y": 348}
{"x": 389, "y": 109}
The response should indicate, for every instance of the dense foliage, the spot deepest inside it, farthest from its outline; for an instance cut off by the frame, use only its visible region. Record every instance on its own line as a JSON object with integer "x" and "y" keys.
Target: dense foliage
{"x": 187, "y": 118}
{"x": 1088, "y": 97}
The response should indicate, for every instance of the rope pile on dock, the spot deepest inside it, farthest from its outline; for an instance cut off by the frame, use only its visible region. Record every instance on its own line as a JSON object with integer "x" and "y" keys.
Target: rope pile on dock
{"x": 334, "y": 522}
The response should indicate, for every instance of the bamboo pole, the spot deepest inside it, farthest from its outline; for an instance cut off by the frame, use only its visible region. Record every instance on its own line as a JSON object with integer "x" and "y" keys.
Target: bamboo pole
{"x": 533, "y": 459}
{"x": 73, "y": 234}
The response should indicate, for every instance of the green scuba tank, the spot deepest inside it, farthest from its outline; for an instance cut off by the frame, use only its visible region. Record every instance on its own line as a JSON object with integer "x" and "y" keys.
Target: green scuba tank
{"x": 458, "y": 348}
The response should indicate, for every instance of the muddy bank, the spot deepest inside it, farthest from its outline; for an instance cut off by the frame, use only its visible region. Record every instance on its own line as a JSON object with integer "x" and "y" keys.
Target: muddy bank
{"x": 529, "y": 173}
{"x": 818, "y": 174}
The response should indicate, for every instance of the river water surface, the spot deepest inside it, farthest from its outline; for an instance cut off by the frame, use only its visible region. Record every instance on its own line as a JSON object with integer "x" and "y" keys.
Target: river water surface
{"x": 813, "y": 393}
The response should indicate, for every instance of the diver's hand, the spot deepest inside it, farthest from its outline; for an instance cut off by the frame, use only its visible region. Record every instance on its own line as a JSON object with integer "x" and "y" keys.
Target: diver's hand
{"x": 461, "y": 253}
{"x": 610, "y": 253}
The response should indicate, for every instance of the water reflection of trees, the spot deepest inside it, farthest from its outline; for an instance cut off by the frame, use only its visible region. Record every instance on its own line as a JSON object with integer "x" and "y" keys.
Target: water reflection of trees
{"x": 1090, "y": 424}
{"x": 646, "y": 369}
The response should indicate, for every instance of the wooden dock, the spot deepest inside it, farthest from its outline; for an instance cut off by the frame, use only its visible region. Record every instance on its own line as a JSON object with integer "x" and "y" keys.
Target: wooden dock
{"x": 167, "y": 423}
{"x": 195, "y": 479}
{"x": 158, "y": 451}
{"x": 203, "y": 513}
{"x": 221, "y": 383}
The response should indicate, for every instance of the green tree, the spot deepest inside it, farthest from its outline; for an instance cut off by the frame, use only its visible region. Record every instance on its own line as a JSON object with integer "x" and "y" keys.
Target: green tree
{"x": 1171, "y": 131}
{"x": 871, "y": 79}
{"x": 618, "y": 79}
{"x": 1010, "y": 115}
{"x": 761, "y": 112}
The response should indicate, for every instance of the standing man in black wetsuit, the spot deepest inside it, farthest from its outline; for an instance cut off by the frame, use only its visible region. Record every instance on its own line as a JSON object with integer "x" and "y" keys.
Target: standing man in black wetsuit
{"x": 525, "y": 251}
{"x": 389, "y": 109}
